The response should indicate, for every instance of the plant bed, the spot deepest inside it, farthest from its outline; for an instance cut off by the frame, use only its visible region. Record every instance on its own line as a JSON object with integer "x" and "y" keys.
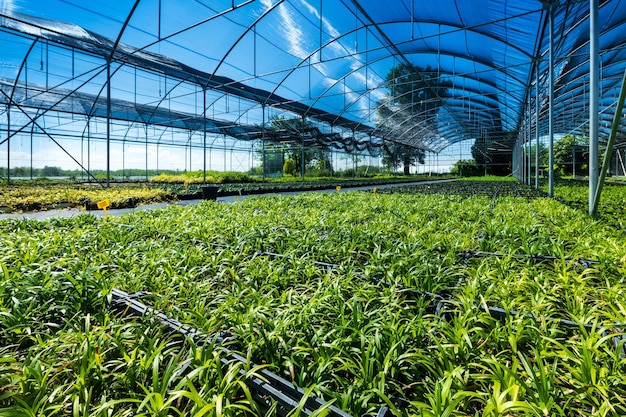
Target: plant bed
{"x": 37, "y": 198}
{"x": 575, "y": 194}
{"x": 362, "y": 334}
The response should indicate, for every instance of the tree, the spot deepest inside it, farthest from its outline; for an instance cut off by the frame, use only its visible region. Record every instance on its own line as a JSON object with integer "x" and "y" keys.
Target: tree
{"x": 410, "y": 111}
{"x": 493, "y": 152}
{"x": 466, "y": 168}
{"x": 291, "y": 133}
{"x": 418, "y": 91}
{"x": 274, "y": 159}
{"x": 51, "y": 171}
{"x": 543, "y": 153}
{"x": 571, "y": 155}
{"x": 290, "y": 168}
{"x": 397, "y": 155}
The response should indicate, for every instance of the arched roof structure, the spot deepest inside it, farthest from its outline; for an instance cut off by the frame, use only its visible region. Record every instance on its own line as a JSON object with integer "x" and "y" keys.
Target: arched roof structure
{"x": 223, "y": 66}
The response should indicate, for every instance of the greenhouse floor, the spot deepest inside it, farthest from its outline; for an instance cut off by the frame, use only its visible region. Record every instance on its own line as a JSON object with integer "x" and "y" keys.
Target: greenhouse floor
{"x": 71, "y": 212}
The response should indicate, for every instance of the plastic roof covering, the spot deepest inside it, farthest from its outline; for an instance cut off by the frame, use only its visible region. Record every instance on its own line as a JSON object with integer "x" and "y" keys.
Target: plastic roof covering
{"x": 328, "y": 60}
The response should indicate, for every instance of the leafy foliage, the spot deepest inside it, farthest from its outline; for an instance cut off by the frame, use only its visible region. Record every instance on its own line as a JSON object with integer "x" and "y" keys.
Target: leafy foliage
{"x": 397, "y": 155}
{"x": 414, "y": 98}
{"x": 571, "y": 155}
{"x": 358, "y": 333}
{"x": 612, "y": 201}
{"x": 467, "y": 168}
{"x": 25, "y": 198}
{"x": 418, "y": 90}
{"x": 197, "y": 177}
{"x": 316, "y": 158}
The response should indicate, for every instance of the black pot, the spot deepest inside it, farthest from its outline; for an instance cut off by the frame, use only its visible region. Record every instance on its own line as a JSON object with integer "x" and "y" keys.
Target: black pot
{"x": 209, "y": 192}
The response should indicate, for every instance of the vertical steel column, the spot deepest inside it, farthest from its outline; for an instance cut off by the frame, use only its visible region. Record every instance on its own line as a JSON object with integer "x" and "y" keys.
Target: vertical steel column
{"x": 514, "y": 160}
{"x": 530, "y": 148}
{"x": 123, "y": 157}
{"x": 594, "y": 88}
{"x": 9, "y": 144}
{"x": 524, "y": 155}
{"x": 82, "y": 154}
{"x": 551, "y": 104}
{"x": 204, "y": 135}
{"x": 302, "y": 153}
{"x": 146, "y": 152}
{"x": 263, "y": 140}
{"x": 88, "y": 145}
{"x": 32, "y": 131}
{"x": 520, "y": 146}
{"x": 537, "y": 109}
{"x": 108, "y": 123}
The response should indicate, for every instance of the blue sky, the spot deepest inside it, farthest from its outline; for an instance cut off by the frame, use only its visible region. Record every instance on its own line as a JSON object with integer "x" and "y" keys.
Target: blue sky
{"x": 285, "y": 54}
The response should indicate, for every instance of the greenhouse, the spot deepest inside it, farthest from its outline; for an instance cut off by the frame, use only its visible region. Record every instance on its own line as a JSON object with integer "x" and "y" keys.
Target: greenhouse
{"x": 456, "y": 242}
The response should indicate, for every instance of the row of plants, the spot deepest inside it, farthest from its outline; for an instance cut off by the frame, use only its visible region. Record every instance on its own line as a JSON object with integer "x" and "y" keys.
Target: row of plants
{"x": 612, "y": 201}
{"x": 489, "y": 187}
{"x": 35, "y": 198}
{"x": 321, "y": 183}
{"x": 357, "y": 334}
{"x": 198, "y": 177}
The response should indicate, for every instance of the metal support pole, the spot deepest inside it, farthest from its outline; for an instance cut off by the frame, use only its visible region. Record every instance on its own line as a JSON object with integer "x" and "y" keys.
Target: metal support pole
{"x": 108, "y": 123}
{"x": 204, "y": 136}
{"x": 518, "y": 160}
{"x": 32, "y": 130}
{"x": 520, "y": 144}
{"x": 88, "y": 145}
{"x": 525, "y": 147}
{"x": 302, "y": 153}
{"x": 594, "y": 88}
{"x": 530, "y": 150}
{"x": 146, "y": 152}
{"x": 263, "y": 140}
{"x": 9, "y": 144}
{"x": 123, "y": 158}
{"x": 551, "y": 105}
{"x": 537, "y": 109}
{"x": 609, "y": 147}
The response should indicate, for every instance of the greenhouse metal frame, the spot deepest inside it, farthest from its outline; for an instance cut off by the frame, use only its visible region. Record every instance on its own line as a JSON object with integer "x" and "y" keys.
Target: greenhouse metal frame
{"x": 505, "y": 76}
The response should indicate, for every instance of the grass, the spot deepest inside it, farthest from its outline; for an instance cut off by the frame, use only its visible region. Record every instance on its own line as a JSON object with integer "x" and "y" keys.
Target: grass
{"x": 338, "y": 332}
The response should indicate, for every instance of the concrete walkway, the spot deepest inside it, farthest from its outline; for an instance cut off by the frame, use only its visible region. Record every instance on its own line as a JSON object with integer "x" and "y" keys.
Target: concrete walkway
{"x": 71, "y": 212}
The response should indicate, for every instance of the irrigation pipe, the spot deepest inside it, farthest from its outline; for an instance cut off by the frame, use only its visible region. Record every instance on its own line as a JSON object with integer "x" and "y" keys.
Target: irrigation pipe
{"x": 264, "y": 384}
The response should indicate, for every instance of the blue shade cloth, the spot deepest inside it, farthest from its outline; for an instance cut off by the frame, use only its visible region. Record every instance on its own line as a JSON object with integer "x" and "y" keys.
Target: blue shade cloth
{"x": 324, "y": 60}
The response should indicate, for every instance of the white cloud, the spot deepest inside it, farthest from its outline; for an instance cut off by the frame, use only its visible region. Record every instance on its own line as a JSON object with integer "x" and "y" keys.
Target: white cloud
{"x": 293, "y": 34}
{"x": 327, "y": 25}
{"x": 7, "y": 7}
{"x": 339, "y": 49}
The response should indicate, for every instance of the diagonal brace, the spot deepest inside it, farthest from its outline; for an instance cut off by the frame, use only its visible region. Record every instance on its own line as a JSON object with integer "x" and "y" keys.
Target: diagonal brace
{"x": 609, "y": 147}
